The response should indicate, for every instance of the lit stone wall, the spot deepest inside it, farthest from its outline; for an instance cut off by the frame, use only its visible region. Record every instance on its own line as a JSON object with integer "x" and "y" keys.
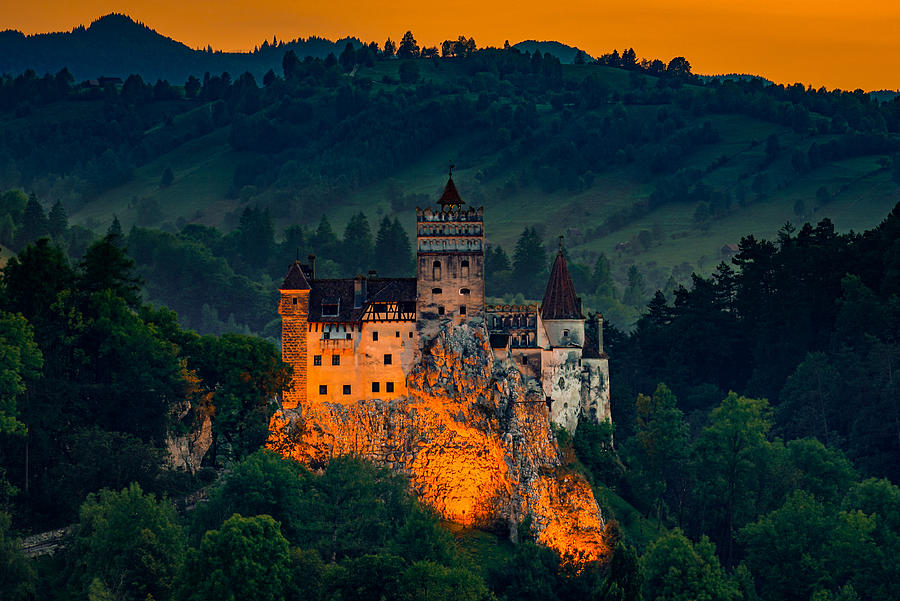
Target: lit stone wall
{"x": 294, "y": 309}
{"x": 361, "y": 360}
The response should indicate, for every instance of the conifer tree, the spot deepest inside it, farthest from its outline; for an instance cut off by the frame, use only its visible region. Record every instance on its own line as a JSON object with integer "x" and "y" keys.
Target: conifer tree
{"x": 408, "y": 47}
{"x": 356, "y": 251}
{"x": 34, "y": 222}
{"x": 529, "y": 261}
{"x": 57, "y": 222}
{"x": 324, "y": 241}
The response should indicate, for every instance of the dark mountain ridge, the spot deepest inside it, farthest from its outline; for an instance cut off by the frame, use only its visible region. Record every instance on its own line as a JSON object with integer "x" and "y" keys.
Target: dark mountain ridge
{"x": 116, "y": 46}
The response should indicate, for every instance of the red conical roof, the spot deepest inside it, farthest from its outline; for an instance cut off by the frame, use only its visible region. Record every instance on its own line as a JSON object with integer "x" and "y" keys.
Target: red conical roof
{"x": 560, "y": 301}
{"x": 295, "y": 279}
{"x": 450, "y": 195}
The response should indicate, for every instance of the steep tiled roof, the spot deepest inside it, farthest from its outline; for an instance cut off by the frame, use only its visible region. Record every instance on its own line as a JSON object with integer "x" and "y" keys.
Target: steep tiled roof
{"x": 295, "y": 280}
{"x": 340, "y": 291}
{"x": 450, "y": 195}
{"x": 560, "y": 301}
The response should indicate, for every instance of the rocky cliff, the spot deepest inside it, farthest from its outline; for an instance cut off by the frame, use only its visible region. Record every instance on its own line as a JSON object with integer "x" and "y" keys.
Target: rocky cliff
{"x": 474, "y": 437}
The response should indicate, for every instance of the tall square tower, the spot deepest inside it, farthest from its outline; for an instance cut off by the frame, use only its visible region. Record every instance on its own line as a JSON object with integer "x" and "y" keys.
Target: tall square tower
{"x": 450, "y": 261}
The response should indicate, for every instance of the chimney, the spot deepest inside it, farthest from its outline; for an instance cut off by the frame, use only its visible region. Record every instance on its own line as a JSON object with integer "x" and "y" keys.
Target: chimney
{"x": 312, "y": 264}
{"x": 359, "y": 291}
{"x": 578, "y": 302}
{"x": 598, "y": 319}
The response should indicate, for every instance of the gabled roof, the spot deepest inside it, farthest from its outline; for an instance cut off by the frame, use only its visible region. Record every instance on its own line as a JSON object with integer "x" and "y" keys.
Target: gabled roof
{"x": 560, "y": 301}
{"x": 450, "y": 195}
{"x": 295, "y": 279}
{"x": 341, "y": 291}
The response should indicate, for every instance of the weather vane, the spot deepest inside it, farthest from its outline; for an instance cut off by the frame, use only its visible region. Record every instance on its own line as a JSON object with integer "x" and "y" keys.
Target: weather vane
{"x": 451, "y": 168}
{"x": 560, "y": 242}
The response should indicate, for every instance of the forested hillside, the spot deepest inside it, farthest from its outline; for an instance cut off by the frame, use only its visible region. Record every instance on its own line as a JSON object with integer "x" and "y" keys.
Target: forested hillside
{"x": 647, "y": 172}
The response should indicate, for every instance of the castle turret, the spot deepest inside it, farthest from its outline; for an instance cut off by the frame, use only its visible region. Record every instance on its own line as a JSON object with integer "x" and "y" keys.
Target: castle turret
{"x": 294, "y": 310}
{"x": 561, "y": 308}
{"x": 450, "y": 261}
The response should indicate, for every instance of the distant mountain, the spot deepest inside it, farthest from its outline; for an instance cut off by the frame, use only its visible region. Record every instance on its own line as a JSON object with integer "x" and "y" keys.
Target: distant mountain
{"x": 565, "y": 54}
{"x": 115, "y": 45}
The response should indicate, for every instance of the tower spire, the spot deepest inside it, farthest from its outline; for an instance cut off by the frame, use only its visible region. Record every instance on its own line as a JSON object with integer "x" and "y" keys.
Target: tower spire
{"x": 450, "y": 197}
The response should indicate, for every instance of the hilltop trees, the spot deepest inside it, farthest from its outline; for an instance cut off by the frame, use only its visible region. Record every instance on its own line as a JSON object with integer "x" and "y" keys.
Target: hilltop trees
{"x": 408, "y": 47}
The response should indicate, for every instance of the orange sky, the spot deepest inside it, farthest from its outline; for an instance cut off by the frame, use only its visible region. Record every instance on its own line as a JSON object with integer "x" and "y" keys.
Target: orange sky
{"x": 835, "y": 43}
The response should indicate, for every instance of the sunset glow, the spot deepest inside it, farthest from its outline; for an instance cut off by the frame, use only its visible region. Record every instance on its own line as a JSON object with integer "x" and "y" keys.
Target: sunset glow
{"x": 816, "y": 42}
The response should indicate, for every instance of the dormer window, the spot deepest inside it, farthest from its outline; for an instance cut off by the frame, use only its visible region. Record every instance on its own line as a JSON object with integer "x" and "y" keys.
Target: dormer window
{"x": 330, "y": 307}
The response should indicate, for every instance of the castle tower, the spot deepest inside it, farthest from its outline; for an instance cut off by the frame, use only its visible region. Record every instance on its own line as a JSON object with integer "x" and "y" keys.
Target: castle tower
{"x": 561, "y": 309}
{"x": 450, "y": 261}
{"x": 294, "y": 310}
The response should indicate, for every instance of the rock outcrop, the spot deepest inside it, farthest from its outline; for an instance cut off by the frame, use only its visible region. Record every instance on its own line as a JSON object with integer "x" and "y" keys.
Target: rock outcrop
{"x": 474, "y": 437}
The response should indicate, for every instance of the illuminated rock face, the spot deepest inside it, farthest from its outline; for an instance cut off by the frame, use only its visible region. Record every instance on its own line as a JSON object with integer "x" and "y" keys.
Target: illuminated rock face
{"x": 473, "y": 435}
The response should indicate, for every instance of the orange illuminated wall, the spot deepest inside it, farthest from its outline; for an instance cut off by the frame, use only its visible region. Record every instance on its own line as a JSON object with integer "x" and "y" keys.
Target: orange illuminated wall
{"x": 294, "y": 309}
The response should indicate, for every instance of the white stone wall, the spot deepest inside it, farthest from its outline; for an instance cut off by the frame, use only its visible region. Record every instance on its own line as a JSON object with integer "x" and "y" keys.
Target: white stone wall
{"x": 564, "y": 332}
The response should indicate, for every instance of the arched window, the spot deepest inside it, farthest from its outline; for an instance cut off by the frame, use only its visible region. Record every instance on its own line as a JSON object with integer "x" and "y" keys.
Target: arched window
{"x": 436, "y": 270}
{"x": 464, "y": 291}
{"x": 464, "y": 267}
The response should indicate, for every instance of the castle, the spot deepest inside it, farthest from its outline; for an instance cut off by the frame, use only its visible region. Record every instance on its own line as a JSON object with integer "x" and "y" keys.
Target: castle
{"x": 358, "y": 338}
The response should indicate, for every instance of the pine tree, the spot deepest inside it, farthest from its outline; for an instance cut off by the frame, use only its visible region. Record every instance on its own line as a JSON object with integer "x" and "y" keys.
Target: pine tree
{"x": 356, "y": 248}
{"x": 115, "y": 229}
{"x": 601, "y": 278}
{"x": 57, "y": 222}
{"x": 529, "y": 262}
{"x": 408, "y": 47}
{"x": 635, "y": 294}
{"x": 34, "y": 222}
{"x": 324, "y": 241}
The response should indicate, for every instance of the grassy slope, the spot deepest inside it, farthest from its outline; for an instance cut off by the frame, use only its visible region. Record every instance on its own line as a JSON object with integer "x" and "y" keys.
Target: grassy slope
{"x": 862, "y": 194}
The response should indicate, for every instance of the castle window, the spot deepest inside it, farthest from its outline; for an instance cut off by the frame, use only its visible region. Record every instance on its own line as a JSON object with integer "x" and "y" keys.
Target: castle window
{"x": 329, "y": 308}
{"x": 389, "y": 387}
{"x": 376, "y": 386}
{"x": 349, "y": 335}
{"x": 436, "y": 291}
{"x": 436, "y": 270}
{"x": 388, "y": 359}
{"x": 335, "y": 359}
{"x": 346, "y": 389}
{"x": 397, "y": 334}
{"x": 295, "y": 300}
{"x": 464, "y": 266}
{"x": 374, "y": 336}
{"x": 464, "y": 291}
{"x": 410, "y": 334}
{"x": 326, "y": 335}
{"x": 323, "y": 389}
{"x": 462, "y": 309}
{"x": 440, "y": 310}
{"x": 317, "y": 359}
{"x": 565, "y": 332}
